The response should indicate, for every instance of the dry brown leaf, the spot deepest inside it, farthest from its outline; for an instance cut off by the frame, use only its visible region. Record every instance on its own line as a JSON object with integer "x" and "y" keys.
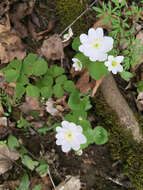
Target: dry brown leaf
{"x": 83, "y": 83}
{"x": 71, "y": 183}
{"x": 97, "y": 84}
{"x": 6, "y": 158}
{"x": 52, "y": 48}
{"x": 45, "y": 181}
{"x": 30, "y": 104}
{"x": 100, "y": 23}
{"x": 11, "y": 47}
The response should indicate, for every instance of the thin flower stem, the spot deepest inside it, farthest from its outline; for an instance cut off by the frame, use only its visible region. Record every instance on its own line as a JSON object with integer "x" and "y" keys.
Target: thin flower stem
{"x": 77, "y": 18}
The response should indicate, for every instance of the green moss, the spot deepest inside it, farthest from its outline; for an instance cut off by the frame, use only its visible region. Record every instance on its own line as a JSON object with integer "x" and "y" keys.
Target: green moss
{"x": 68, "y": 11}
{"x": 121, "y": 145}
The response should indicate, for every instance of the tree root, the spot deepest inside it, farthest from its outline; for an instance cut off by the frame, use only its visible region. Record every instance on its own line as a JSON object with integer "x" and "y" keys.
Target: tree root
{"x": 117, "y": 102}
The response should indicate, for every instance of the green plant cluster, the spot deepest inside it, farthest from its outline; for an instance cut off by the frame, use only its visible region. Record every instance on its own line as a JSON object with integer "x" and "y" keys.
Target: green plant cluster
{"x": 120, "y": 16}
{"x": 39, "y": 166}
{"x": 33, "y": 77}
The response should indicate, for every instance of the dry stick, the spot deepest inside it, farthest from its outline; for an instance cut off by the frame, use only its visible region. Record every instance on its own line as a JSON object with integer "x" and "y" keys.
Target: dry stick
{"x": 77, "y": 18}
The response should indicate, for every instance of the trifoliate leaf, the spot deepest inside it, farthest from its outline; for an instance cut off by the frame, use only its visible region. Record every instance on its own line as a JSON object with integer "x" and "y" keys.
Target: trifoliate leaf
{"x": 126, "y": 75}
{"x": 24, "y": 185}
{"x": 55, "y": 71}
{"x": 27, "y": 161}
{"x": 23, "y": 79}
{"x": 97, "y": 70}
{"x": 69, "y": 85}
{"x": 86, "y": 103}
{"x": 40, "y": 67}
{"x": 46, "y": 92}
{"x": 76, "y": 43}
{"x": 11, "y": 75}
{"x": 61, "y": 79}
{"x": 58, "y": 91}
{"x": 100, "y": 135}
{"x": 28, "y": 64}
{"x": 20, "y": 90}
{"x": 12, "y": 142}
{"x": 43, "y": 168}
{"x": 32, "y": 91}
{"x": 45, "y": 81}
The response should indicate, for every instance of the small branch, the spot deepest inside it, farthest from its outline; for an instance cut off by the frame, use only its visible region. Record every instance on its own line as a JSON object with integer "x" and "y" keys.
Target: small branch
{"x": 77, "y": 18}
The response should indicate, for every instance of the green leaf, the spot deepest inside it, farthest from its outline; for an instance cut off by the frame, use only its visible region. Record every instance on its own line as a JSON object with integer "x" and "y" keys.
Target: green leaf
{"x": 38, "y": 187}
{"x": 76, "y": 43}
{"x": 46, "y": 92}
{"x": 28, "y": 64}
{"x": 55, "y": 71}
{"x": 74, "y": 100}
{"x": 126, "y": 75}
{"x": 86, "y": 103}
{"x": 24, "y": 185}
{"x": 12, "y": 142}
{"x": 32, "y": 91}
{"x": 69, "y": 86}
{"x": 58, "y": 91}
{"x": 27, "y": 161}
{"x": 23, "y": 79}
{"x": 20, "y": 90}
{"x": 43, "y": 168}
{"x": 97, "y": 9}
{"x": 61, "y": 79}
{"x": 40, "y": 67}
{"x": 11, "y": 75}
{"x": 140, "y": 86}
{"x": 100, "y": 135}
{"x": 97, "y": 70}
{"x": 46, "y": 81}
{"x": 16, "y": 65}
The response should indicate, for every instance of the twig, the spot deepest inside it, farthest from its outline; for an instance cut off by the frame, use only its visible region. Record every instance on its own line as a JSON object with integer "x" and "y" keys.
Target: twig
{"x": 51, "y": 179}
{"x": 77, "y": 18}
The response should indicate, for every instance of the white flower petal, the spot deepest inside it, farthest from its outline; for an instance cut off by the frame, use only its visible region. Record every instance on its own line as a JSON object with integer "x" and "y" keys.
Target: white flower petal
{"x": 83, "y": 38}
{"x": 76, "y": 147}
{"x": 120, "y": 68}
{"x": 70, "y": 32}
{"x": 79, "y": 128}
{"x": 110, "y": 58}
{"x": 107, "y": 44}
{"x": 119, "y": 59}
{"x": 114, "y": 70}
{"x": 65, "y": 123}
{"x": 66, "y": 148}
{"x": 93, "y": 34}
{"x": 59, "y": 129}
{"x": 82, "y": 139}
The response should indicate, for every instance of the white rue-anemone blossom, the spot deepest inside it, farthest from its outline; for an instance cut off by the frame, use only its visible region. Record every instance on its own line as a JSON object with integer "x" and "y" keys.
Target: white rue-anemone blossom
{"x": 95, "y": 45}
{"x": 67, "y": 36}
{"x": 77, "y": 64}
{"x": 70, "y": 136}
{"x": 113, "y": 64}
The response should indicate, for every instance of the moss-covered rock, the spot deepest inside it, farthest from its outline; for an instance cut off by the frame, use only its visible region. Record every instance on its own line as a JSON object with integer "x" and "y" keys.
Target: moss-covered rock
{"x": 121, "y": 145}
{"x": 69, "y": 10}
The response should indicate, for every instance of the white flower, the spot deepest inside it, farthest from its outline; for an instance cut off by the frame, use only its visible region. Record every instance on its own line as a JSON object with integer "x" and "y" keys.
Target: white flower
{"x": 95, "y": 45}
{"x": 113, "y": 64}
{"x": 77, "y": 64}
{"x": 70, "y": 136}
{"x": 67, "y": 36}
